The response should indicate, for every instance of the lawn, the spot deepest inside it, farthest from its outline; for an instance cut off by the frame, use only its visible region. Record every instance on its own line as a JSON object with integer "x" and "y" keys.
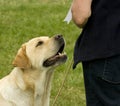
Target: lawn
{"x": 21, "y": 20}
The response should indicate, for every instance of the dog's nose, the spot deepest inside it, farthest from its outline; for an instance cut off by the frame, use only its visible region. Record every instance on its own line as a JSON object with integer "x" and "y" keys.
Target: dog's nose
{"x": 58, "y": 37}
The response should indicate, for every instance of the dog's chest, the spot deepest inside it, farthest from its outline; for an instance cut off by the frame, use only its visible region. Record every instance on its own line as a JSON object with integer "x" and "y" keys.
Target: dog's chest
{"x": 42, "y": 90}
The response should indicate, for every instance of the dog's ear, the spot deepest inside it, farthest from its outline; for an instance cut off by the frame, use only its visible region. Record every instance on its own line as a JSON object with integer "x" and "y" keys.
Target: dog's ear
{"x": 21, "y": 60}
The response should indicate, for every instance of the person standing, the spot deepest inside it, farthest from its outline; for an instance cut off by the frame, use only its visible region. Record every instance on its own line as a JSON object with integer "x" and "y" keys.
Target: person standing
{"x": 98, "y": 48}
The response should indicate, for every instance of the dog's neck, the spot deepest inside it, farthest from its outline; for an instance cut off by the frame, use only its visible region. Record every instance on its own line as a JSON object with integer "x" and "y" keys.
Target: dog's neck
{"x": 36, "y": 80}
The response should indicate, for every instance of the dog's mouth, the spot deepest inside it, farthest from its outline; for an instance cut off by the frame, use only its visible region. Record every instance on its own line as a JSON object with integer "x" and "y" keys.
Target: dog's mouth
{"x": 59, "y": 57}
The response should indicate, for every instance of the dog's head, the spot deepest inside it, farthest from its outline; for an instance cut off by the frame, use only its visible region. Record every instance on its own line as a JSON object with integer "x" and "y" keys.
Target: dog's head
{"x": 41, "y": 52}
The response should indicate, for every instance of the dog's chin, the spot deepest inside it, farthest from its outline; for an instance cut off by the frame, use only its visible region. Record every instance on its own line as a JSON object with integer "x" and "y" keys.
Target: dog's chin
{"x": 55, "y": 60}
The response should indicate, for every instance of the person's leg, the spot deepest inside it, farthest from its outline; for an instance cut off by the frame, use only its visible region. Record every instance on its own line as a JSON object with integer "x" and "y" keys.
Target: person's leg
{"x": 102, "y": 82}
{"x": 91, "y": 97}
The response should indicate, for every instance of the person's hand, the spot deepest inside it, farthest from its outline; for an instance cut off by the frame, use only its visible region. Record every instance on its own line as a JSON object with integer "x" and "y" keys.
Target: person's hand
{"x": 81, "y": 11}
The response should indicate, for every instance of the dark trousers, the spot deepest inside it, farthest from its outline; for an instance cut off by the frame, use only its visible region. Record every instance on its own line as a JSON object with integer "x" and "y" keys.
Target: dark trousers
{"x": 102, "y": 81}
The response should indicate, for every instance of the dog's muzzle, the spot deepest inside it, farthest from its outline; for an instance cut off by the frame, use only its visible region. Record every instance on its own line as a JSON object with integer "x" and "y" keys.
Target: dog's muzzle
{"x": 59, "y": 57}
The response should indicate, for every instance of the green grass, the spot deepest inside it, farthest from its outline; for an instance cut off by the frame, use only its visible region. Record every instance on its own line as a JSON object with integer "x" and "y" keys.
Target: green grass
{"x": 21, "y": 20}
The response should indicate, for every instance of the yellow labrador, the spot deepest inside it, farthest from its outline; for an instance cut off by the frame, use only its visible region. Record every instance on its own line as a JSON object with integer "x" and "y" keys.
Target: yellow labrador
{"x": 29, "y": 82}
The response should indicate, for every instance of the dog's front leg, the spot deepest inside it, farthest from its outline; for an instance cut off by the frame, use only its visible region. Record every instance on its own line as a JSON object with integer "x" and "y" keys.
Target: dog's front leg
{"x": 40, "y": 101}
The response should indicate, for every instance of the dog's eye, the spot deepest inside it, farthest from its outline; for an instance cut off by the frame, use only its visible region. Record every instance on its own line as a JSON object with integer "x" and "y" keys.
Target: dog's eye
{"x": 39, "y": 43}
